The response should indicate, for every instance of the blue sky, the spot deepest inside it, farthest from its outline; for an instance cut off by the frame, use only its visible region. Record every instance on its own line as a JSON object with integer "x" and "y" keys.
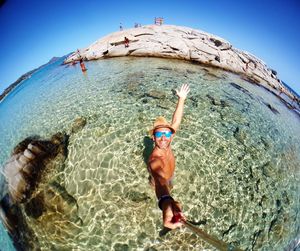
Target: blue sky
{"x": 32, "y": 32}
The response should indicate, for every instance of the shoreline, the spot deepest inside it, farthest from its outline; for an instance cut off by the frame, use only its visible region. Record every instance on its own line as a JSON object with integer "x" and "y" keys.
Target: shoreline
{"x": 25, "y": 76}
{"x": 177, "y": 42}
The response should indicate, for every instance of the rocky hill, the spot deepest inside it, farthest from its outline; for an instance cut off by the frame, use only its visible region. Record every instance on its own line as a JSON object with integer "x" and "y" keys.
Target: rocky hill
{"x": 169, "y": 41}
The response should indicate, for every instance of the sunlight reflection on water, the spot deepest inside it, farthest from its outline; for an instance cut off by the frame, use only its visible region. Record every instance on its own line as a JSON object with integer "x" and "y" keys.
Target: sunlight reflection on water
{"x": 237, "y": 159}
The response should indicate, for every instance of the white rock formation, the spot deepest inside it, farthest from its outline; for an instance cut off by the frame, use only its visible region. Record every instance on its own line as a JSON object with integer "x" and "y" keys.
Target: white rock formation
{"x": 169, "y": 41}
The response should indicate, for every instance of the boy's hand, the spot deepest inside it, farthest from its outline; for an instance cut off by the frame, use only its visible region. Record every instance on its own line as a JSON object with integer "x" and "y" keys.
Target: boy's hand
{"x": 172, "y": 214}
{"x": 183, "y": 92}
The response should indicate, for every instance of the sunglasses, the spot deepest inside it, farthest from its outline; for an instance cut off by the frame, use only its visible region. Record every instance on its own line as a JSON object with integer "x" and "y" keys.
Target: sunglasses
{"x": 160, "y": 134}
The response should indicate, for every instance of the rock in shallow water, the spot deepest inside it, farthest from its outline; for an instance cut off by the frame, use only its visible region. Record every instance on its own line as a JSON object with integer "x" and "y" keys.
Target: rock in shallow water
{"x": 78, "y": 124}
{"x": 33, "y": 196}
{"x": 30, "y": 158}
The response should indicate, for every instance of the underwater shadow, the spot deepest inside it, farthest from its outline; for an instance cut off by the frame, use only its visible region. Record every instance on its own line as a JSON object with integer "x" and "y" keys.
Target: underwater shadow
{"x": 149, "y": 146}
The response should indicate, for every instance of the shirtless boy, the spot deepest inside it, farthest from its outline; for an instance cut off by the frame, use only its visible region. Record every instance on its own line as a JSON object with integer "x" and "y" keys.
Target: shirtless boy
{"x": 161, "y": 162}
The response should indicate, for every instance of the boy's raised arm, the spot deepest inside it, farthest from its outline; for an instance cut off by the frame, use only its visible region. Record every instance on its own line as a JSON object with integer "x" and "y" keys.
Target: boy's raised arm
{"x": 177, "y": 116}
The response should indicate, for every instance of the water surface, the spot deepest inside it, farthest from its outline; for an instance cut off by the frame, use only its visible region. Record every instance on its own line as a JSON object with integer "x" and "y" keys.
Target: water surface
{"x": 237, "y": 155}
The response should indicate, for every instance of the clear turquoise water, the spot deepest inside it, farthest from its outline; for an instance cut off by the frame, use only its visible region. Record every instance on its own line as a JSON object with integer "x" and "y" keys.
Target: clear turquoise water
{"x": 237, "y": 160}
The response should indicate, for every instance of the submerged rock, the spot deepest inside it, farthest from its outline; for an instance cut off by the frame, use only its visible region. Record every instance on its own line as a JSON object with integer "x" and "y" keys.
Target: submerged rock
{"x": 155, "y": 94}
{"x": 36, "y": 199}
{"x": 78, "y": 124}
{"x": 137, "y": 196}
{"x": 240, "y": 135}
{"x": 273, "y": 109}
{"x": 32, "y": 160}
{"x": 30, "y": 157}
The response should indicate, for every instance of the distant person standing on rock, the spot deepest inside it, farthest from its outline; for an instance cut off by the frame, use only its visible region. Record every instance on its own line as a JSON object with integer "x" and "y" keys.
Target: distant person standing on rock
{"x": 161, "y": 163}
{"x": 126, "y": 42}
